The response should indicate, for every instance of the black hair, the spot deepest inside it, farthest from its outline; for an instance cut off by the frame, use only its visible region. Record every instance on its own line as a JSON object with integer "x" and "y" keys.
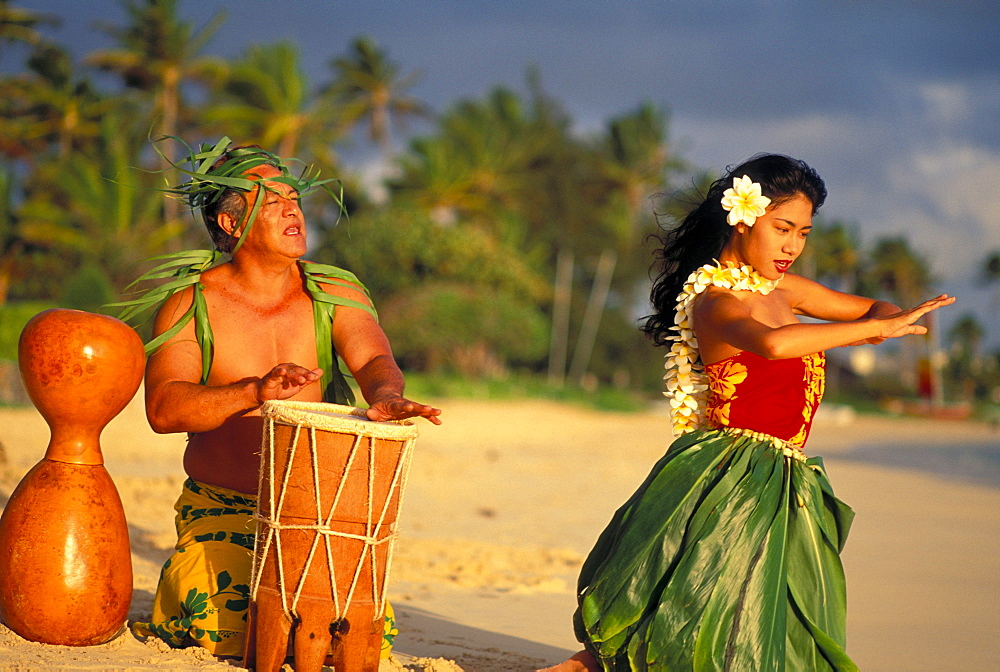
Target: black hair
{"x": 703, "y": 233}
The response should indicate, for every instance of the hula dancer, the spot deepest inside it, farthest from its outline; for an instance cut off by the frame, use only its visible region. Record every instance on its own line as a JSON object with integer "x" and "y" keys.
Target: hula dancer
{"x": 727, "y": 557}
{"x": 278, "y": 327}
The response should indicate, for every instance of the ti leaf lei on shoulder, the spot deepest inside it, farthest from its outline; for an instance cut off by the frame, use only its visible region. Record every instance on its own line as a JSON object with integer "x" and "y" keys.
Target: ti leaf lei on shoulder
{"x": 179, "y": 271}
{"x": 686, "y": 380}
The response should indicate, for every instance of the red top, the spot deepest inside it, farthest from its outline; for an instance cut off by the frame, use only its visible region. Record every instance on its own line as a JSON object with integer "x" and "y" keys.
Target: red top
{"x": 773, "y": 396}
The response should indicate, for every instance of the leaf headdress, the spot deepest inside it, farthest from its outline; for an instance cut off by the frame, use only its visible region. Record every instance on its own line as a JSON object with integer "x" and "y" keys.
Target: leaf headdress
{"x": 208, "y": 182}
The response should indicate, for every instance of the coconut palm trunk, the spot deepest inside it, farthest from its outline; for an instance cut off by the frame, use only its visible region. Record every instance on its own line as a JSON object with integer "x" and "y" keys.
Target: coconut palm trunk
{"x": 592, "y": 316}
{"x": 560, "y": 318}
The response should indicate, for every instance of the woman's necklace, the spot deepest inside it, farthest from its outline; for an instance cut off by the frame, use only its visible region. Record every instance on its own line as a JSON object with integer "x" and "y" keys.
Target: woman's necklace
{"x": 687, "y": 382}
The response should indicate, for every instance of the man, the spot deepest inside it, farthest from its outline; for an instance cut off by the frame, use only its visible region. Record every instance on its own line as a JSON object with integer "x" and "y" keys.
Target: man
{"x": 264, "y": 342}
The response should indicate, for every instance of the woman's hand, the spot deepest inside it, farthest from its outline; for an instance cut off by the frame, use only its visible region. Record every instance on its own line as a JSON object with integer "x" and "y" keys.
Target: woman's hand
{"x": 902, "y": 323}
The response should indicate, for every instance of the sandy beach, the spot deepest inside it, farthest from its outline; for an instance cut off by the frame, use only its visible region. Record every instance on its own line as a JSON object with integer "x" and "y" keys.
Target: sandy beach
{"x": 506, "y": 498}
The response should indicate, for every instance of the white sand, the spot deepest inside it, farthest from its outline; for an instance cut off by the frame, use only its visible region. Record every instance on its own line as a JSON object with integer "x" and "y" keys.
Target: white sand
{"x": 505, "y": 500}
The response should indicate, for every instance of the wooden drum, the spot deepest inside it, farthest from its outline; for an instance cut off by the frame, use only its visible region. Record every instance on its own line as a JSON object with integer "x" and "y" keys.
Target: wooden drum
{"x": 331, "y": 482}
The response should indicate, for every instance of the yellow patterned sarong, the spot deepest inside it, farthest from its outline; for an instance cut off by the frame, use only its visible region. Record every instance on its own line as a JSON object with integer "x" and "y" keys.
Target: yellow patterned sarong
{"x": 204, "y": 588}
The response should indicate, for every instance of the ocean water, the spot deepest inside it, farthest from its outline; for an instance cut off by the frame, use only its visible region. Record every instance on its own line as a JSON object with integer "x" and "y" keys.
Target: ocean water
{"x": 977, "y": 463}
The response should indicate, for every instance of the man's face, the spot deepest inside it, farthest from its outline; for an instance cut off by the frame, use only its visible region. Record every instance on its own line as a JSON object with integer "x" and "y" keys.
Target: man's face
{"x": 279, "y": 227}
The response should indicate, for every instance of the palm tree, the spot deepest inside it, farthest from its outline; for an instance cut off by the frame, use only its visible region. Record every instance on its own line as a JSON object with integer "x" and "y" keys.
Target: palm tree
{"x": 833, "y": 254}
{"x": 990, "y": 273}
{"x": 967, "y": 334}
{"x": 10, "y": 240}
{"x": 899, "y": 271}
{"x": 966, "y": 338}
{"x": 156, "y": 53}
{"x": 369, "y": 87}
{"x": 53, "y": 107}
{"x": 266, "y": 100}
{"x": 96, "y": 208}
{"x": 21, "y": 25}
{"x": 991, "y": 267}
{"x": 638, "y": 155}
{"x": 475, "y": 165}
{"x": 634, "y": 165}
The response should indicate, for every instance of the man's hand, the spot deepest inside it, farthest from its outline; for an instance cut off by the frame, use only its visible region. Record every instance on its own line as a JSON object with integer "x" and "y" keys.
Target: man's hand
{"x": 284, "y": 381}
{"x": 398, "y": 408}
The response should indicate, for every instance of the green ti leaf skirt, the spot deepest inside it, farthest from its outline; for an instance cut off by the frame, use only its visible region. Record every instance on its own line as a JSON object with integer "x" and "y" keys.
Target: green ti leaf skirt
{"x": 727, "y": 557}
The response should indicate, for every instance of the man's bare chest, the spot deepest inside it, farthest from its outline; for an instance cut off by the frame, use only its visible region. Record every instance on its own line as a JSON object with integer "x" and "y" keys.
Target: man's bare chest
{"x": 250, "y": 339}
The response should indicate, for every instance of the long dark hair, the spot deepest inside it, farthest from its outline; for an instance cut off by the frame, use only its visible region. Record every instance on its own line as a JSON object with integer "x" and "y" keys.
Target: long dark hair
{"x": 701, "y": 235}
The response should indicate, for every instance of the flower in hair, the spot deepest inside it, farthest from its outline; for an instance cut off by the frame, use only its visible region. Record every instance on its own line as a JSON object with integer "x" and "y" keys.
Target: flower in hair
{"x": 744, "y": 202}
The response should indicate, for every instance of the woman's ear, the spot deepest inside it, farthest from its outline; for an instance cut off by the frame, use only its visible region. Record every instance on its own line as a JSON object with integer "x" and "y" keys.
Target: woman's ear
{"x": 742, "y": 228}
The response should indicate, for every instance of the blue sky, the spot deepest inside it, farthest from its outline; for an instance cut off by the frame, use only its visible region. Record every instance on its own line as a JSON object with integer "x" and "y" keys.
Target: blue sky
{"x": 896, "y": 104}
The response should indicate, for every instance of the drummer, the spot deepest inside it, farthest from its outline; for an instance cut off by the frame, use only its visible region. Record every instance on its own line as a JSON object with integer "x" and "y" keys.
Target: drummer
{"x": 209, "y": 379}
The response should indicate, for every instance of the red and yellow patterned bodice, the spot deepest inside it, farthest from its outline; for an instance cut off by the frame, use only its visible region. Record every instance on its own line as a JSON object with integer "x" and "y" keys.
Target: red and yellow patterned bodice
{"x": 773, "y": 396}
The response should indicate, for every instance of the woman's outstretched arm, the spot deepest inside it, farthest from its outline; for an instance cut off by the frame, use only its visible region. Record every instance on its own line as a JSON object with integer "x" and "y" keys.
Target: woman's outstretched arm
{"x": 729, "y": 320}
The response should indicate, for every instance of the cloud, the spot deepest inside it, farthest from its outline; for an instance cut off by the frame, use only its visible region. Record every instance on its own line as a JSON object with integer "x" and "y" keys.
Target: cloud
{"x": 944, "y": 202}
{"x": 946, "y": 102}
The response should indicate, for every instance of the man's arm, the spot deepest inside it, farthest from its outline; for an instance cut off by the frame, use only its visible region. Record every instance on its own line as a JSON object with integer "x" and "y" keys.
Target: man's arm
{"x": 175, "y": 399}
{"x": 363, "y": 346}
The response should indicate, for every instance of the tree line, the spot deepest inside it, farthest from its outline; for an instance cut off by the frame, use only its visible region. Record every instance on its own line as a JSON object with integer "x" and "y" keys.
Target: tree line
{"x": 499, "y": 239}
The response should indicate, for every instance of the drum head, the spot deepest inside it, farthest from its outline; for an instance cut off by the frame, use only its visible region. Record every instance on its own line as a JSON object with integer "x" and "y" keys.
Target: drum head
{"x": 336, "y": 418}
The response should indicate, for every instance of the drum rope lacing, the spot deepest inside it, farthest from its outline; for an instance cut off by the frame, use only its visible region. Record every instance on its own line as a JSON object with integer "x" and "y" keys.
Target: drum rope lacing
{"x": 322, "y": 527}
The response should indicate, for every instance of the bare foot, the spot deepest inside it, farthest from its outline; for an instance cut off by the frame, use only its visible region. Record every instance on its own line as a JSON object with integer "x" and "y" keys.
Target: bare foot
{"x": 579, "y": 662}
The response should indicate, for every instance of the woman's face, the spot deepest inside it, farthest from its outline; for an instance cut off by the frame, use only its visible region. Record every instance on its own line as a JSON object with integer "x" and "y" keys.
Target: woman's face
{"x": 775, "y": 240}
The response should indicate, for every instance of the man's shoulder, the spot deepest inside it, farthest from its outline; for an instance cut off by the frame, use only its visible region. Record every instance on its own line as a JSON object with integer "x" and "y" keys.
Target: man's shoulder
{"x": 332, "y": 279}
{"x": 216, "y": 275}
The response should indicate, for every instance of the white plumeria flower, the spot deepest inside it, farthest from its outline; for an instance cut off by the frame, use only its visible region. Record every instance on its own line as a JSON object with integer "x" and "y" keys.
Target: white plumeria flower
{"x": 744, "y": 201}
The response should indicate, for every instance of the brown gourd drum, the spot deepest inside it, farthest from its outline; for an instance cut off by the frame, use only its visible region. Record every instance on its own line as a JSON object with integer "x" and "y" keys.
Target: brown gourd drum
{"x": 331, "y": 482}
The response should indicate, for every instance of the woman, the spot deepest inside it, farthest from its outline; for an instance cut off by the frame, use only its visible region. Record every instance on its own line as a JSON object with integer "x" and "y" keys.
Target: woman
{"x": 728, "y": 555}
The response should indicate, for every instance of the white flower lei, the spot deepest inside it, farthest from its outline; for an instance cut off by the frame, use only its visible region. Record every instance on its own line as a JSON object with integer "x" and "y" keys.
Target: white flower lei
{"x": 687, "y": 382}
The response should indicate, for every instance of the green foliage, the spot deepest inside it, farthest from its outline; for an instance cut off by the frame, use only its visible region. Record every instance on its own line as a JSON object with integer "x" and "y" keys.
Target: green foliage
{"x": 990, "y": 271}
{"x": 399, "y": 249}
{"x": 896, "y": 270}
{"x": 969, "y": 375}
{"x": 465, "y": 329}
{"x": 426, "y": 387}
{"x": 833, "y": 255}
{"x": 452, "y": 298}
{"x": 94, "y": 208}
{"x": 88, "y": 289}
{"x": 626, "y": 357}
{"x": 266, "y": 100}
{"x": 13, "y": 317}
